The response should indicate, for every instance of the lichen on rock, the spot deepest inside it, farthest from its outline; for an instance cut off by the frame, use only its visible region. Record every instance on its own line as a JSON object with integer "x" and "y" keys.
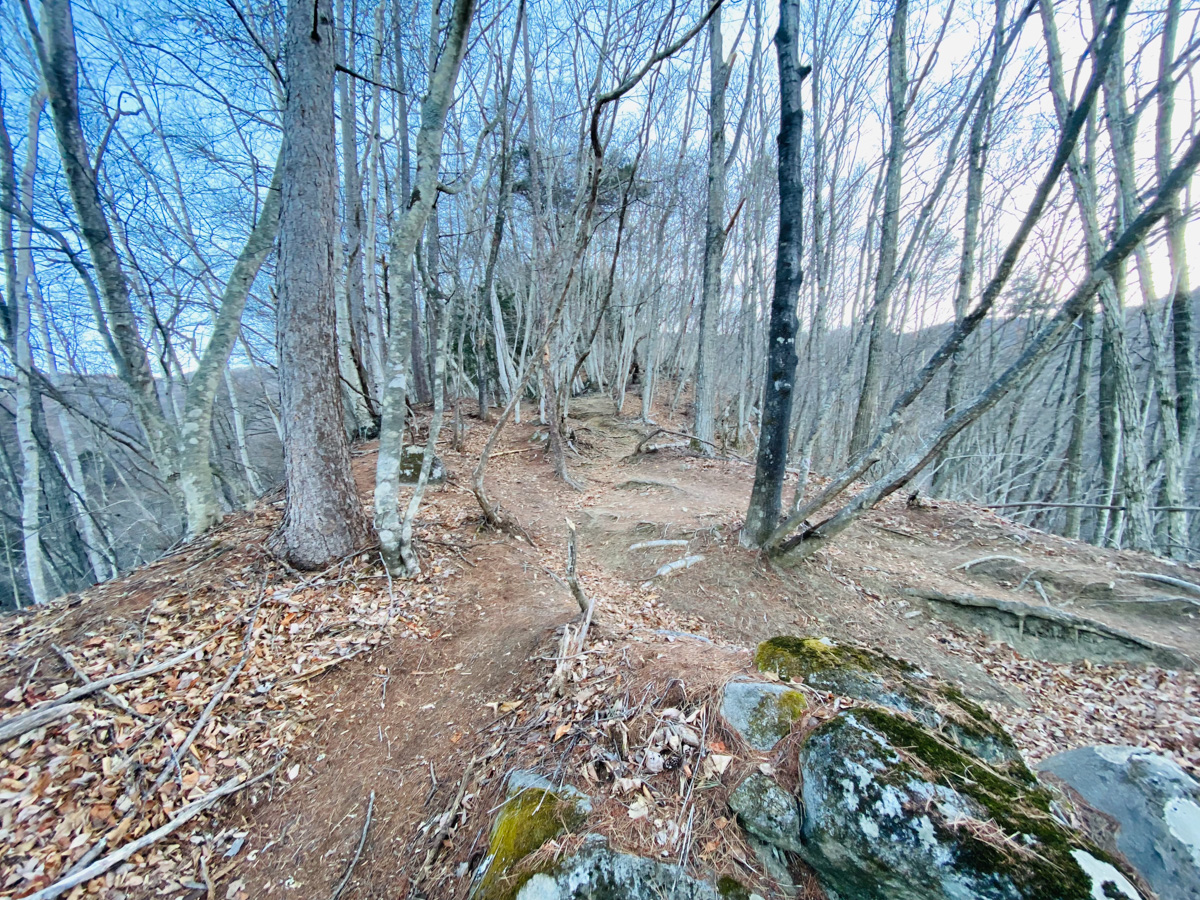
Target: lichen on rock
{"x": 533, "y": 813}
{"x": 768, "y": 812}
{"x": 598, "y": 873}
{"x": 762, "y": 713}
{"x": 894, "y": 811}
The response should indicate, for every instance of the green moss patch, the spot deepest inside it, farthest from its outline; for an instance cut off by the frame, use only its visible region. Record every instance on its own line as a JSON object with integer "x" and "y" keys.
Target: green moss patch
{"x": 796, "y": 658}
{"x": 762, "y": 713}
{"x": 526, "y": 821}
{"x": 873, "y": 677}
{"x": 731, "y": 889}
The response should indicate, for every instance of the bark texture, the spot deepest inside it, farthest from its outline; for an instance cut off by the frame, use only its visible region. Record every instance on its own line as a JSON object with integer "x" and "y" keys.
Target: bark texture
{"x": 766, "y": 497}
{"x": 323, "y": 519}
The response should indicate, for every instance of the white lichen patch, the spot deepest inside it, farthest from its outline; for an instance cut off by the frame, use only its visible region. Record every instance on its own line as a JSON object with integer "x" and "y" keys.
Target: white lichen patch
{"x": 1183, "y": 818}
{"x": 1104, "y": 877}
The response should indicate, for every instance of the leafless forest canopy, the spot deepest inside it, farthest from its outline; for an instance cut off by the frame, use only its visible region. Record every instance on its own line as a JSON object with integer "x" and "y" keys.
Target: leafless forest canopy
{"x": 869, "y": 245}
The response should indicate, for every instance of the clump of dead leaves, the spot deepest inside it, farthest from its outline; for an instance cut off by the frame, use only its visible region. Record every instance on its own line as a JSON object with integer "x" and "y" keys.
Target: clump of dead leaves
{"x": 128, "y": 759}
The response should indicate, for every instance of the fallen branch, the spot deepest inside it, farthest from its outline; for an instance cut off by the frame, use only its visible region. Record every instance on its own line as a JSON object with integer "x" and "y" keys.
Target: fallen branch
{"x": 448, "y": 818}
{"x": 583, "y": 629}
{"x": 983, "y": 559}
{"x": 688, "y": 439}
{"x": 216, "y": 698}
{"x": 362, "y": 839}
{"x": 36, "y": 717}
{"x": 686, "y": 563}
{"x": 328, "y": 664}
{"x": 654, "y": 545}
{"x": 119, "y": 856}
{"x": 562, "y": 669}
{"x": 115, "y": 699}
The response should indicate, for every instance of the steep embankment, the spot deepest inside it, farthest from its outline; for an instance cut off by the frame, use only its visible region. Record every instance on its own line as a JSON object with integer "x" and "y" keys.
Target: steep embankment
{"x": 381, "y": 716}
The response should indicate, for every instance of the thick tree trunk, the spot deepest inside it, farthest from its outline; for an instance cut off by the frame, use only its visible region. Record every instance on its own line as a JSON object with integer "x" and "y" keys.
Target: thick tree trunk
{"x": 323, "y": 519}
{"x": 766, "y": 497}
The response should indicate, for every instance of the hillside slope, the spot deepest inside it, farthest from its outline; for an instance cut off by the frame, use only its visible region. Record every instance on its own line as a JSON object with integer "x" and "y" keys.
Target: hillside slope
{"x": 380, "y": 716}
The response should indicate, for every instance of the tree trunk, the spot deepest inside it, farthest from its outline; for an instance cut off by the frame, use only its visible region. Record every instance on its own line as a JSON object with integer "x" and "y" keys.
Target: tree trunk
{"x": 55, "y": 44}
{"x": 766, "y": 497}
{"x": 704, "y": 425}
{"x": 404, "y": 244}
{"x": 976, "y": 161}
{"x": 323, "y": 519}
{"x": 196, "y": 479}
{"x": 889, "y": 230}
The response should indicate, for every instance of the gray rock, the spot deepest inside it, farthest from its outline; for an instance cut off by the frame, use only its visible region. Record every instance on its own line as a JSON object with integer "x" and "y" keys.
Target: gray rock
{"x": 410, "y": 466}
{"x": 891, "y": 812}
{"x": 761, "y": 713}
{"x": 602, "y": 874}
{"x": 1155, "y": 805}
{"x": 768, "y": 812}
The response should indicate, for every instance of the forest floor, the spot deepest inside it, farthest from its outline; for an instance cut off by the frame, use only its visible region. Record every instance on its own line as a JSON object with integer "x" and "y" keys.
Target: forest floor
{"x": 382, "y": 715}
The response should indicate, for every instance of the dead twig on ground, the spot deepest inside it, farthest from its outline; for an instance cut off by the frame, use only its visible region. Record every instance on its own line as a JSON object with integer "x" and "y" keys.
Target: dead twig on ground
{"x": 362, "y": 839}
{"x": 45, "y": 712}
{"x": 217, "y": 696}
{"x": 1167, "y": 579}
{"x": 996, "y": 558}
{"x": 115, "y": 699}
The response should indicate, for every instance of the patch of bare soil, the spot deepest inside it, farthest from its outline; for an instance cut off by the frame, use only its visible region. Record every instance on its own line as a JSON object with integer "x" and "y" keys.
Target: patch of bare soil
{"x": 412, "y": 700}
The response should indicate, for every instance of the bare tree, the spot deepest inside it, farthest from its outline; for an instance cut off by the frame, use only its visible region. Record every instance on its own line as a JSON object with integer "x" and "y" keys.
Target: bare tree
{"x": 766, "y": 497}
{"x": 405, "y": 238}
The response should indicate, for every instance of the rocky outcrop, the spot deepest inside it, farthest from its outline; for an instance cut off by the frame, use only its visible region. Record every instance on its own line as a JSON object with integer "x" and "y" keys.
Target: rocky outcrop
{"x": 1050, "y": 634}
{"x": 1151, "y": 811}
{"x": 873, "y": 677}
{"x": 761, "y": 713}
{"x": 917, "y": 794}
{"x": 894, "y": 813}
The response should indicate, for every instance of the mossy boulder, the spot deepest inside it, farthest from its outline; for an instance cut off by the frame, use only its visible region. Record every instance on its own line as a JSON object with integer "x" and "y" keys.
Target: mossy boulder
{"x": 533, "y": 813}
{"x": 598, "y": 873}
{"x": 762, "y": 713}
{"x": 894, "y": 812}
{"x": 410, "y": 466}
{"x": 873, "y": 677}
